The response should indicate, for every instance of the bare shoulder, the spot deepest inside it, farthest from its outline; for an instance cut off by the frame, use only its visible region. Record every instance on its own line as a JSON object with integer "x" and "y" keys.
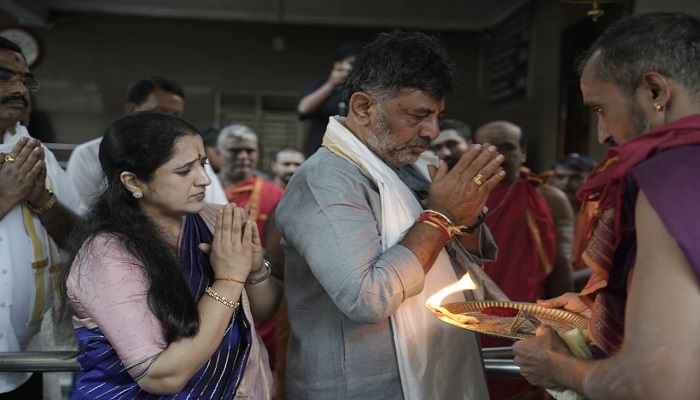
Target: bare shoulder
{"x": 557, "y": 201}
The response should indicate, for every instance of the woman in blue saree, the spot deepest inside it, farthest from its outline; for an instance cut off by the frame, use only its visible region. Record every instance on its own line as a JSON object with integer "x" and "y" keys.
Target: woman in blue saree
{"x": 164, "y": 289}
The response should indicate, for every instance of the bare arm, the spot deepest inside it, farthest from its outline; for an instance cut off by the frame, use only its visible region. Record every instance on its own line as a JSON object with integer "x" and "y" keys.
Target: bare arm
{"x": 264, "y": 296}
{"x": 58, "y": 220}
{"x": 273, "y": 250}
{"x": 310, "y": 103}
{"x": 560, "y": 279}
{"x": 231, "y": 257}
{"x": 24, "y": 180}
{"x": 660, "y": 356}
{"x": 18, "y": 177}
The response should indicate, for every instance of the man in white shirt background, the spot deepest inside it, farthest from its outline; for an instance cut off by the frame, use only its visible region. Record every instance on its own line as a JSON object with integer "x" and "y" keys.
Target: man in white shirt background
{"x": 150, "y": 94}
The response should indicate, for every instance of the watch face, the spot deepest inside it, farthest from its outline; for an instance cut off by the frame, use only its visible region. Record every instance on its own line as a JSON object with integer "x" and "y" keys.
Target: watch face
{"x": 26, "y": 41}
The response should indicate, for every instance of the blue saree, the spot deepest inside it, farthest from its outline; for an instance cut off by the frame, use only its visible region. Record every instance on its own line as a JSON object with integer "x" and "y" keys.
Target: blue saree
{"x": 104, "y": 376}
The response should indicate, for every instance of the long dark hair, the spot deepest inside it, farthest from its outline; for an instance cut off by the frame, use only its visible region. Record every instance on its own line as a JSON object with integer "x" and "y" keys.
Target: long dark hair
{"x": 139, "y": 143}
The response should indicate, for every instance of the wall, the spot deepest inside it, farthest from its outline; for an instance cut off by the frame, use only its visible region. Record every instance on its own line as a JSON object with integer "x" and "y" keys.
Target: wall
{"x": 691, "y": 7}
{"x": 538, "y": 115}
{"x": 90, "y": 61}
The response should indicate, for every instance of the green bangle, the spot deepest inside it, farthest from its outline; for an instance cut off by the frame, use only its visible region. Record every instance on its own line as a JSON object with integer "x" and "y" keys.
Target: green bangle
{"x": 263, "y": 277}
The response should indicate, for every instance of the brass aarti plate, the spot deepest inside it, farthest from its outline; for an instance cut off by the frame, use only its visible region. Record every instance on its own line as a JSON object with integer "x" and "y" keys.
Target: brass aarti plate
{"x": 561, "y": 320}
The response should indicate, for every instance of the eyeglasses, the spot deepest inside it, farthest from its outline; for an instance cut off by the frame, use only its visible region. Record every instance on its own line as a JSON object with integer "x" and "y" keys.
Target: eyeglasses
{"x": 9, "y": 78}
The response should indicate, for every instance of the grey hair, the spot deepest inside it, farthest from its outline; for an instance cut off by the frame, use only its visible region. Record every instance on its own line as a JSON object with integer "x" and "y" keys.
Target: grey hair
{"x": 236, "y": 131}
{"x": 397, "y": 62}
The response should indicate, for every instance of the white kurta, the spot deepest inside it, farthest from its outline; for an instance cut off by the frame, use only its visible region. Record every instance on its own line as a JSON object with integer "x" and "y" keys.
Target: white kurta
{"x": 18, "y": 279}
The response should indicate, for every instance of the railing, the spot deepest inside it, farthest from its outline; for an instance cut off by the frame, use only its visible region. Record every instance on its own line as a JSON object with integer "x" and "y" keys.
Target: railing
{"x": 498, "y": 362}
{"x": 39, "y": 361}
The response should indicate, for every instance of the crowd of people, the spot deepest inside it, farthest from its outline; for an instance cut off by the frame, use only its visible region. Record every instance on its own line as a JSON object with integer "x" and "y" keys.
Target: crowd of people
{"x": 187, "y": 272}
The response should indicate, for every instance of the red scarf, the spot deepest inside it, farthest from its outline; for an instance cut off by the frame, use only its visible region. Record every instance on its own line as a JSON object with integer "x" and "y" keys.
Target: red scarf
{"x": 606, "y": 186}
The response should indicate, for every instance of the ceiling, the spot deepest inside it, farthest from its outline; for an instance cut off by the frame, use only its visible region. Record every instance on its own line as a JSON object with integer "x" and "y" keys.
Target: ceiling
{"x": 463, "y": 15}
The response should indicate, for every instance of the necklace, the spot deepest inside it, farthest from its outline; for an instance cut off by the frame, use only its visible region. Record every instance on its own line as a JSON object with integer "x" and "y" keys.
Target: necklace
{"x": 503, "y": 200}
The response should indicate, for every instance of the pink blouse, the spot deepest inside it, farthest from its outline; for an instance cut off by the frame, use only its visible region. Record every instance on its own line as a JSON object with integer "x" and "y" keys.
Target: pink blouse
{"x": 114, "y": 297}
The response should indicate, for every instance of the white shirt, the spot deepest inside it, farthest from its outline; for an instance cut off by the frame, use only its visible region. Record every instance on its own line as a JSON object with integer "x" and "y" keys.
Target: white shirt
{"x": 85, "y": 172}
{"x": 17, "y": 277}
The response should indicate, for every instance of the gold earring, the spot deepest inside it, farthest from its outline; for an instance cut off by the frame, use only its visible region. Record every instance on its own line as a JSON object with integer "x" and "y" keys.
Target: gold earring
{"x": 137, "y": 194}
{"x": 658, "y": 107}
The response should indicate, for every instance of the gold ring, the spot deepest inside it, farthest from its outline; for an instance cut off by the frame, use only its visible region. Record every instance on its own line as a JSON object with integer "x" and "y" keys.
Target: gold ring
{"x": 478, "y": 179}
{"x": 9, "y": 158}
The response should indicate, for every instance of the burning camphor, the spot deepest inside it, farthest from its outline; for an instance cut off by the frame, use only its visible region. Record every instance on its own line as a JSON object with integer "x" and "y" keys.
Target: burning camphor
{"x": 434, "y": 301}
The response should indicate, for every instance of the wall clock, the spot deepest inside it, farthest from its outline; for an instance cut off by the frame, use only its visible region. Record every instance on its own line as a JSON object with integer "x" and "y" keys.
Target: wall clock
{"x": 27, "y": 41}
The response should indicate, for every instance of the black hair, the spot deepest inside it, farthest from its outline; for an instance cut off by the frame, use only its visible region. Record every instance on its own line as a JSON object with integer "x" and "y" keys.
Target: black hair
{"x": 287, "y": 150}
{"x": 397, "y": 61}
{"x": 667, "y": 43}
{"x": 576, "y": 162}
{"x": 8, "y": 44}
{"x": 348, "y": 49}
{"x": 463, "y": 128}
{"x": 139, "y": 143}
{"x": 209, "y": 134}
{"x": 140, "y": 90}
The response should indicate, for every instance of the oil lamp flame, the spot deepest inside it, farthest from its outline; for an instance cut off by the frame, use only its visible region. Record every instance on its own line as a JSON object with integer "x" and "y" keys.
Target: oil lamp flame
{"x": 466, "y": 283}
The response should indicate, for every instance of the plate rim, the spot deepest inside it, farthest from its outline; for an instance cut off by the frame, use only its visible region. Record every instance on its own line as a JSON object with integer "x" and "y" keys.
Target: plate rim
{"x": 572, "y": 319}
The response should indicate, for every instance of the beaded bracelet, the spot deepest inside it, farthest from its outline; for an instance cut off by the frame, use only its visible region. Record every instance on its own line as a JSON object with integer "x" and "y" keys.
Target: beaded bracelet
{"x": 221, "y": 299}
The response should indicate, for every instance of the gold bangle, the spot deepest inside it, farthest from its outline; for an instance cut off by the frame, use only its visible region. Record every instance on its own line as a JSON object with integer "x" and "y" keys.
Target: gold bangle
{"x": 221, "y": 299}
{"x": 442, "y": 218}
{"x": 46, "y": 207}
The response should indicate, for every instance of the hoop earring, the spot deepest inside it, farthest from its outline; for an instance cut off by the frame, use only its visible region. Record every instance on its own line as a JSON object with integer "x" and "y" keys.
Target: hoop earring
{"x": 137, "y": 194}
{"x": 658, "y": 107}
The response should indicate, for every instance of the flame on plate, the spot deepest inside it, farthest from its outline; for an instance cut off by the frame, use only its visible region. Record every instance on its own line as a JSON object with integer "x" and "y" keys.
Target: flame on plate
{"x": 433, "y": 303}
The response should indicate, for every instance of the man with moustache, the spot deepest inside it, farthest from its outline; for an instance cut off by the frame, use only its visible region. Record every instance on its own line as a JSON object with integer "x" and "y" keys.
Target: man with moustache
{"x": 642, "y": 79}
{"x": 569, "y": 173}
{"x": 363, "y": 256}
{"x": 287, "y": 162}
{"x": 149, "y": 94}
{"x": 36, "y": 203}
{"x": 238, "y": 147}
{"x": 532, "y": 224}
{"x": 455, "y": 136}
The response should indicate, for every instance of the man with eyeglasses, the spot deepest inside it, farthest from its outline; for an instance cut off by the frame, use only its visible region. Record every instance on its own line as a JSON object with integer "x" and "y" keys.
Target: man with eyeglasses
{"x": 36, "y": 215}
{"x": 149, "y": 94}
